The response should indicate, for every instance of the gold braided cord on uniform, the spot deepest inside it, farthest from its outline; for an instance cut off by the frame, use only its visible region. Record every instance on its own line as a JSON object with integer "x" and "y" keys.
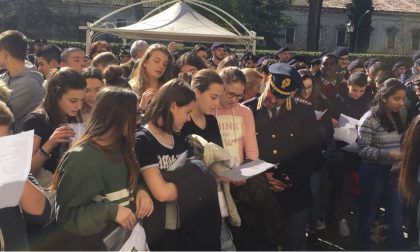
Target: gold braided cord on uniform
{"x": 260, "y": 101}
{"x": 289, "y": 103}
{"x": 277, "y": 89}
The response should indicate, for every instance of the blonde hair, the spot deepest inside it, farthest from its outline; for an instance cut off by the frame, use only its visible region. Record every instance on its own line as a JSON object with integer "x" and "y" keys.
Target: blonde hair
{"x": 5, "y": 91}
{"x": 253, "y": 77}
{"x": 139, "y": 80}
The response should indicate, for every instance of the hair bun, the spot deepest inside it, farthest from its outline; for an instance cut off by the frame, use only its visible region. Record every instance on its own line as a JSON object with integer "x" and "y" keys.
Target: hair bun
{"x": 113, "y": 72}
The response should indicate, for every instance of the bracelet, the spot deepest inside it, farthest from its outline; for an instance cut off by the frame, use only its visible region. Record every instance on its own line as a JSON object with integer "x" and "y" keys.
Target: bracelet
{"x": 43, "y": 152}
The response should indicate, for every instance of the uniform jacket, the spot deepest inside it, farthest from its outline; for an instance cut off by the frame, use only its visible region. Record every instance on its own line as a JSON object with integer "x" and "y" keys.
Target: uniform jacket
{"x": 291, "y": 139}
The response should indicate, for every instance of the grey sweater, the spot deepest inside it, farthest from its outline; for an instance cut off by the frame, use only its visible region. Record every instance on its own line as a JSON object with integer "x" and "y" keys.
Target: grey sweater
{"x": 27, "y": 93}
{"x": 374, "y": 142}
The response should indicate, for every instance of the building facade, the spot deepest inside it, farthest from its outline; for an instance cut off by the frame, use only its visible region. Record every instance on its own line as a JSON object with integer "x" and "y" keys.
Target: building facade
{"x": 396, "y": 26}
{"x": 60, "y": 19}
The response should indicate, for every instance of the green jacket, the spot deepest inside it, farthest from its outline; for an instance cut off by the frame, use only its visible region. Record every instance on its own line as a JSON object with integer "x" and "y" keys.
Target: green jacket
{"x": 92, "y": 186}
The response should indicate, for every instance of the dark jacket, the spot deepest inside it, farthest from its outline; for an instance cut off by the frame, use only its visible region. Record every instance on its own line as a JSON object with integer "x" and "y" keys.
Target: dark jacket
{"x": 263, "y": 225}
{"x": 344, "y": 104}
{"x": 198, "y": 209}
{"x": 321, "y": 103}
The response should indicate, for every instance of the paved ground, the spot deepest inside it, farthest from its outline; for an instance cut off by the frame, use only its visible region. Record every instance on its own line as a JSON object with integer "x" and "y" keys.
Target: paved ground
{"x": 330, "y": 240}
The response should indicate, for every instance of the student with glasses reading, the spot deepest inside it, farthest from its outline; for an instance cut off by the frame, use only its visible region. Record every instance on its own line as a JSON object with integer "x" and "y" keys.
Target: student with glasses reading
{"x": 236, "y": 122}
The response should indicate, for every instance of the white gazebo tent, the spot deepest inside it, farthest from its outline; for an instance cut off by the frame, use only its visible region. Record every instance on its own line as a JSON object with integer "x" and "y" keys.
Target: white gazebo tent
{"x": 179, "y": 22}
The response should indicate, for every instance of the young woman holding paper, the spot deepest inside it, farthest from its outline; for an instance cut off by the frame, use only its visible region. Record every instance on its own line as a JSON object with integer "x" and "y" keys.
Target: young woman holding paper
{"x": 61, "y": 105}
{"x": 379, "y": 139}
{"x": 236, "y": 121}
{"x": 96, "y": 182}
{"x": 158, "y": 145}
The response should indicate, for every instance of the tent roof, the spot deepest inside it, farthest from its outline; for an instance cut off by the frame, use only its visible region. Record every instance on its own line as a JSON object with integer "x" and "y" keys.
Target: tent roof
{"x": 178, "y": 22}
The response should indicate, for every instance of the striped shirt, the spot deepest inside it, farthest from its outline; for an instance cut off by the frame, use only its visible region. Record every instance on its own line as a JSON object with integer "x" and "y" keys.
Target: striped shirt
{"x": 374, "y": 142}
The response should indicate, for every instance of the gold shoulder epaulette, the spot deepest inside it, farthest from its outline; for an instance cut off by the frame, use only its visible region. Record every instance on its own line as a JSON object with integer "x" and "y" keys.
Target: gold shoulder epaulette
{"x": 300, "y": 100}
{"x": 260, "y": 102}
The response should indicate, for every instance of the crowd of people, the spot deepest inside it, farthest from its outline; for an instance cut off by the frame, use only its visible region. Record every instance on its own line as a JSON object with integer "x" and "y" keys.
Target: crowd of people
{"x": 139, "y": 160}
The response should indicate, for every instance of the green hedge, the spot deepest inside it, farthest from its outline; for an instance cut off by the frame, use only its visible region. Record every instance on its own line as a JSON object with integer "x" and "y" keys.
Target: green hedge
{"x": 65, "y": 44}
{"x": 387, "y": 59}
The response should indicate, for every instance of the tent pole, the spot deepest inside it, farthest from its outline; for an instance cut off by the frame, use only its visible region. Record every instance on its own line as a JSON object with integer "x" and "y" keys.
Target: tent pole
{"x": 254, "y": 42}
{"x": 88, "y": 38}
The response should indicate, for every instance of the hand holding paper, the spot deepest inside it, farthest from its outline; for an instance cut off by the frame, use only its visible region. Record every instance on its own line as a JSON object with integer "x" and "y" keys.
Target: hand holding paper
{"x": 78, "y": 129}
{"x": 247, "y": 170}
{"x": 347, "y": 131}
{"x": 348, "y": 122}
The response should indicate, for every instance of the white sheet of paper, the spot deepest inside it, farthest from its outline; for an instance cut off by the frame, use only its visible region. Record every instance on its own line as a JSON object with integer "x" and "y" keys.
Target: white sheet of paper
{"x": 136, "y": 241}
{"x": 78, "y": 130}
{"x": 247, "y": 170}
{"x": 348, "y": 135}
{"x": 351, "y": 148}
{"x": 15, "y": 164}
{"x": 319, "y": 114}
{"x": 347, "y": 121}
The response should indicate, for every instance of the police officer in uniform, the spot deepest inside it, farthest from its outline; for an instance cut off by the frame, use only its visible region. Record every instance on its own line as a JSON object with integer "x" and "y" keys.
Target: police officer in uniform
{"x": 288, "y": 135}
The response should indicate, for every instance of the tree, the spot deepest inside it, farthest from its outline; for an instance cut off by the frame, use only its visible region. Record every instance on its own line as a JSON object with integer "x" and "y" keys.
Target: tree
{"x": 356, "y": 13}
{"x": 36, "y": 20}
{"x": 265, "y": 17}
{"x": 314, "y": 24}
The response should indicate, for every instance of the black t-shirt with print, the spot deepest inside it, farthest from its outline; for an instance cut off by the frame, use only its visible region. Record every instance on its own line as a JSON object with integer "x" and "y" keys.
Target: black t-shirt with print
{"x": 151, "y": 153}
{"x": 211, "y": 133}
{"x": 43, "y": 129}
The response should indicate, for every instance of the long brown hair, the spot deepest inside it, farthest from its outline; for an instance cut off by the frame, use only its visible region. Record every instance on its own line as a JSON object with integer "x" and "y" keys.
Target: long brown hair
{"x": 390, "y": 87}
{"x": 60, "y": 83}
{"x": 175, "y": 90}
{"x": 410, "y": 162}
{"x": 114, "y": 111}
{"x": 139, "y": 79}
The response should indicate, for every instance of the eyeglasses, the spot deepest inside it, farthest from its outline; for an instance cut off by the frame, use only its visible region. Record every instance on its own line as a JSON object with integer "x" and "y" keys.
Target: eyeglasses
{"x": 232, "y": 95}
{"x": 343, "y": 58}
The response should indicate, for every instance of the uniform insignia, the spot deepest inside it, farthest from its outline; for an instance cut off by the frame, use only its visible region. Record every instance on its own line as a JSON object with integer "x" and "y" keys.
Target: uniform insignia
{"x": 300, "y": 100}
{"x": 285, "y": 83}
